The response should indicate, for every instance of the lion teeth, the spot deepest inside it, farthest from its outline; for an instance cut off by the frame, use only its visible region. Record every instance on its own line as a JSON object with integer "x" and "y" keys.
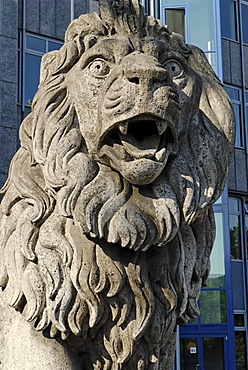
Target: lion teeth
{"x": 159, "y": 155}
{"x": 161, "y": 127}
{"x": 123, "y": 127}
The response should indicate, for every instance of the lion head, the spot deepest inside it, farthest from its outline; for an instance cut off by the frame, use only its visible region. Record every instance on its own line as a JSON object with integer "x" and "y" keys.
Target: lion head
{"x": 107, "y": 223}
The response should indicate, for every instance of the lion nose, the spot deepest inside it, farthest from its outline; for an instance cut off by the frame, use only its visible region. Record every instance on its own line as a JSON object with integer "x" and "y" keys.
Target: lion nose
{"x": 139, "y": 75}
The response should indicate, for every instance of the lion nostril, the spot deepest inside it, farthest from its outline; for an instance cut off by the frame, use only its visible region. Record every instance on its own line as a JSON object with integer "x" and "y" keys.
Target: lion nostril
{"x": 134, "y": 80}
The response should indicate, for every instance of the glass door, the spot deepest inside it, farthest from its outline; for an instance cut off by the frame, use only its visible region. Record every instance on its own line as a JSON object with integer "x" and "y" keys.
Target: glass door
{"x": 204, "y": 353}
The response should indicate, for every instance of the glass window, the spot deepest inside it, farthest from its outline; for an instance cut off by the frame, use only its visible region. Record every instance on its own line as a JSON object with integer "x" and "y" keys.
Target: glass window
{"x": 202, "y": 27}
{"x": 213, "y": 353}
{"x": 233, "y": 93}
{"x": 213, "y": 306}
{"x": 188, "y": 353}
{"x": 216, "y": 278}
{"x": 173, "y": 2}
{"x": 35, "y": 48}
{"x": 238, "y": 284}
{"x": 211, "y": 57}
{"x": 239, "y": 320}
{"x": 36, "y": 43}
{"x": 175, "y": 20}
{"x": 52, "y": 45}
{"x": 240, "y": 346}
{"x": 32, "y": 75}
{"x": 228, "y": 12}
{"x": 244, "y": 13}
{"x": 234, "y": 222}
{"x": 234, "y": 225}
{"x": 235, "y": 96}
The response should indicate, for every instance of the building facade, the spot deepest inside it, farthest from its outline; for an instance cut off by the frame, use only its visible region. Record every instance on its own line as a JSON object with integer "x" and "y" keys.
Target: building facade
{"x": 217, "y": 340}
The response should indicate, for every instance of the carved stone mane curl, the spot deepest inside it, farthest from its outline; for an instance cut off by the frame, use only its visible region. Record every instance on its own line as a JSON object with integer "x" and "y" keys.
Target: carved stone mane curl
{"x": 86, "y": 254}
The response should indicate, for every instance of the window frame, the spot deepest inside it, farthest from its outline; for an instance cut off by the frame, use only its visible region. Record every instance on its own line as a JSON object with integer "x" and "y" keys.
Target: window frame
{"x": 240, "y": 216}
{"x": 24, "y": 50}
{"x": 243, "y": 211}
{"x": 177, "y": 6}
{"x": 237, "y": 18}
{"x": 245, "y": 3}
{"x": 242, "y": 116}
{"x": 217, "y": 30}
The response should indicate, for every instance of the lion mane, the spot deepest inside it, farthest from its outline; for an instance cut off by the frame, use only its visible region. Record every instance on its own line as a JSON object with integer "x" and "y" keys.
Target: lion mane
{"x": 110, "y": 264}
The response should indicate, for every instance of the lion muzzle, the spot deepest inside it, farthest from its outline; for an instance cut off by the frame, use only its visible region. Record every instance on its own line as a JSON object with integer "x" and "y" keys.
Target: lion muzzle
{"x": 138, "y": 117}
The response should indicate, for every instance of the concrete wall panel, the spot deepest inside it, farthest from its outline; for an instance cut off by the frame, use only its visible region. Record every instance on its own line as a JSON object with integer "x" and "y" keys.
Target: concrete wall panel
{"x": 48, "y": 18}
{"x": 33, "y": 16}
{"x": 241, "y": 170}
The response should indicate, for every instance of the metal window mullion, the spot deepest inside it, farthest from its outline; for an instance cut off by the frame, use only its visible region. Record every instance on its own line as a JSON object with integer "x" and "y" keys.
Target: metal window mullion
{"x": 243, "y": 113}
{"x": 72, "y": 10}
{"x": 218, "y": 44}
{"x": 23, "y": 54}
{"x": 245, "y": 271}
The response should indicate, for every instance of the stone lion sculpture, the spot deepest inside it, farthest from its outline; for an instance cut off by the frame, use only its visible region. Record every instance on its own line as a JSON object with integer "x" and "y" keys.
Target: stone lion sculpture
{"x": 107, "y": 223}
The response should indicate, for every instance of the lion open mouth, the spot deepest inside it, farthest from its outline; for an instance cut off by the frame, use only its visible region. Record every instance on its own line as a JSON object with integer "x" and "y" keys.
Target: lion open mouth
{"x": 141, "y": 137}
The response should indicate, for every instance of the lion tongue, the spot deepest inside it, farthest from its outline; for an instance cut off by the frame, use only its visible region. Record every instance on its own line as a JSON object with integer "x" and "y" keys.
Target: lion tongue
{"x": 145, "y": 148}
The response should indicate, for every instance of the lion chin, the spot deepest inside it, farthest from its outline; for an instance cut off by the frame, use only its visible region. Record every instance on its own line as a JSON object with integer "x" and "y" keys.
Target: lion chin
{"x": 106, "y": 225}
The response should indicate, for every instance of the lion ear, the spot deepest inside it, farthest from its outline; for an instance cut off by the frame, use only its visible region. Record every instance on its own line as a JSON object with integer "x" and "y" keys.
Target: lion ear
{"x": 214, "y": 101}
{"x": 212, "y": 139}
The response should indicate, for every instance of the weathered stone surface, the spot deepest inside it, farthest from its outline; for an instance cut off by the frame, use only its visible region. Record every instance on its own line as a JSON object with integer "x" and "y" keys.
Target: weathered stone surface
{"x": 106, "y": 225}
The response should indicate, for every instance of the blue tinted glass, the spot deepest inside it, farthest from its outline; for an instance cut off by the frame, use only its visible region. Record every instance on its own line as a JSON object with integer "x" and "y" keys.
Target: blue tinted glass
{"x": 228, "y": 19}
{"x": 238, "y": 138}
{"x": 233, "y": 205}
{"x": 244, "y": 12}
{"x": 235, "y": 240}
{"x": 175, "y": 20}
{"x": 238, "y": 285}
{"x": 32, "y": 76}
{"x": 36, "y": 43}
{"x": 53, "y": 45}
{"x": 246, "y": 97}
{"x": 213, "y": 306}
{"x": 233, "y": 93}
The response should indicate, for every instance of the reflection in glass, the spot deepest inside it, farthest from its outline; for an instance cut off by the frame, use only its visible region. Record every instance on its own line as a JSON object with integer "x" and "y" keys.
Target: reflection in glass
{"x": 188, "y": 353}
{"x": 239, "y": 320}
{"x": 238, "y": 290}
{"x": 228, "y": 12}
{"x": 244, "y": 12}
{"x": 233, "y": 205}
{"x": 240, "y": 346}
{"x": 175, "y": 20}
{"x": 211, "y": 57}
{"x": 216, "y": 278}
{"x": 213, "y": 354}
{"x": 237, "y": 111}
{"x": 234, "y": 94}
{"x": 32, "y": 75}
{"x": 52, "y": 45}
{"x": 213, "y": 306}
{"x": 234, "y": 223}
{"x": 202, "y": 25}
{"x": 36, "y": 43}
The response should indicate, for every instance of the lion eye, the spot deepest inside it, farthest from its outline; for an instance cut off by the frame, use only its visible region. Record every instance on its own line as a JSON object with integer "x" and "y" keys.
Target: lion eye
{"x": 99, "y": 68}
{"x": 174, "y": 69}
